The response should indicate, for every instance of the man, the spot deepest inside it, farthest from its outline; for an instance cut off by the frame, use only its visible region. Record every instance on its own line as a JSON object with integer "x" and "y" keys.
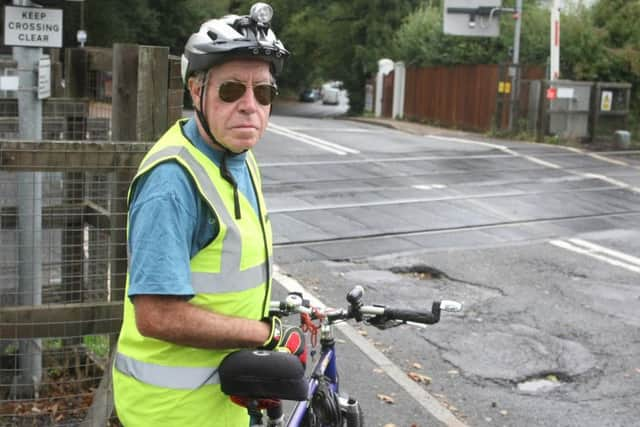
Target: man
{"x": 199, "y": 238}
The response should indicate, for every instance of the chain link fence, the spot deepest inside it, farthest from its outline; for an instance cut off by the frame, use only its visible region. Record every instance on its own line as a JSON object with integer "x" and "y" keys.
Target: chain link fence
{"x": 63, "y": 257}
{"x": 62, "y": 271}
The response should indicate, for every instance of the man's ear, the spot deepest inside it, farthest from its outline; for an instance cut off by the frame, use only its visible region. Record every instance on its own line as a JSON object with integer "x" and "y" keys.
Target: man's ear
{"x": 194, "y": 90}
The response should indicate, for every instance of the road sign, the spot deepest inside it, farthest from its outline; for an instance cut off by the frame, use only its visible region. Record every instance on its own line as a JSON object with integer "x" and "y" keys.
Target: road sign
{"x": 566, "y": 92}
{"x": 44, "y": 77}
{"x": 9, "y": 83}
{"x": 479, "y": 18}
{"x": 606, "y": 100}
{"x": 32, "y": 27}
{"x": 504, "y": 87}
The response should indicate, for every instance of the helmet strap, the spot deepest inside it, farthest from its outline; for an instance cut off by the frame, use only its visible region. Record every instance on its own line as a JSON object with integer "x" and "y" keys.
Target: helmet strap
{"x": 224, "y": 169}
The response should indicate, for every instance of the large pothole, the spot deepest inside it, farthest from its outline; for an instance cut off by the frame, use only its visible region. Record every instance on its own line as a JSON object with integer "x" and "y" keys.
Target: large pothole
{"x": 419, "y": 271}
{"x": 518, "y": 352}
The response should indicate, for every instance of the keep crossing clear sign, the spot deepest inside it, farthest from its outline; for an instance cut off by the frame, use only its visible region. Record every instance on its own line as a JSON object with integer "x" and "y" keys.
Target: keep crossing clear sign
{"x": 32, "y": 27}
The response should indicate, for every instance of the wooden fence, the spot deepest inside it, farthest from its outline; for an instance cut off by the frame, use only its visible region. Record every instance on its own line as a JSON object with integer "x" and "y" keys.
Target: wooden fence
{"x": 462, "y": 96}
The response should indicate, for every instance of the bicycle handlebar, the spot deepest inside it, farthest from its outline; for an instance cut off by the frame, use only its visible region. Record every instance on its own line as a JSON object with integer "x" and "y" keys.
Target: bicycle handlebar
{"x": 377, "y": 315}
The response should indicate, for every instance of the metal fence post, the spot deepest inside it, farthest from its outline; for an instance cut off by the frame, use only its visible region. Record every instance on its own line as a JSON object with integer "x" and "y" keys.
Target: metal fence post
{"x": 29, "y": 206}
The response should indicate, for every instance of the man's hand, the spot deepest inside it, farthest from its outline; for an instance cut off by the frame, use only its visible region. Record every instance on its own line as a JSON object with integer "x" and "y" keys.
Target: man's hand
{"x": 289, "y": 339}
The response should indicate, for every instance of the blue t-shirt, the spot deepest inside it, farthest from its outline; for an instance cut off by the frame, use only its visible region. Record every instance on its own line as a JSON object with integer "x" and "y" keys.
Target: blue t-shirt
{"x": 169, "y": 222}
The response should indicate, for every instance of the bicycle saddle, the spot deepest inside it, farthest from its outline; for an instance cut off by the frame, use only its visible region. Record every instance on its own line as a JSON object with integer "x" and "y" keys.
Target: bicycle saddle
{"x": 263, "y": 374}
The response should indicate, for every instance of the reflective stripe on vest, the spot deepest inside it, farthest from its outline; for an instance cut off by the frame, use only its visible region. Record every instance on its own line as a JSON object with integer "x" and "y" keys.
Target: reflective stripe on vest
{"x": 232, "y": 281}
{"x": 176, "y": 377}
{"x": 230, "y": 275}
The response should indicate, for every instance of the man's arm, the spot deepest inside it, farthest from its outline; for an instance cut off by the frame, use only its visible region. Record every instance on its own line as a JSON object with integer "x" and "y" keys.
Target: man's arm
{"x": 175, "y": 320}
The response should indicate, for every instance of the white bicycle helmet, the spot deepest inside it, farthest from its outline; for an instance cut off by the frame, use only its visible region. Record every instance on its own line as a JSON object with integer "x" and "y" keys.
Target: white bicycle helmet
{"x": 231, "y": 37}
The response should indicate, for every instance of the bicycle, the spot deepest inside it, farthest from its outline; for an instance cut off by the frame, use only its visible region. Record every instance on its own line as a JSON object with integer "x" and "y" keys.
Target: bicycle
{"x": 262, "y": 379}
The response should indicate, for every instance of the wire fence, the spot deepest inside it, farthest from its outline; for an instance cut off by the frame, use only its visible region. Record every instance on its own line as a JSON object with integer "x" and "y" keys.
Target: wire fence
{"x": 63, "y": 256}
{"x": 62, "y": 268}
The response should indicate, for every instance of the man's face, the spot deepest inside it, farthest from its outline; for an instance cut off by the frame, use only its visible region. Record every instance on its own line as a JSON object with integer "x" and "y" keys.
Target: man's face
{"x": 238, "y": 124}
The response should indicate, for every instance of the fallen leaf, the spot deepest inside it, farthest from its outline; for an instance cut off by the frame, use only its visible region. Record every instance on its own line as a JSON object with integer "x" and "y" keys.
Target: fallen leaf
{"x": 419, "y": 378}
{"x": 386, "y": 399}
{"x": 417, "y": 365}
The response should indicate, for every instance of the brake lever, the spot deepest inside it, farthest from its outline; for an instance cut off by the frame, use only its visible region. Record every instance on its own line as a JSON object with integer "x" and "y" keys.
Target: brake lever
{"x": 383, "y": 322}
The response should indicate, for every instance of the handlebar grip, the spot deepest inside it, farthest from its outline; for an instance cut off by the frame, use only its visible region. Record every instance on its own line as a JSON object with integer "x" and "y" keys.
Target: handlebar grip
{"x": 406, "y": 315}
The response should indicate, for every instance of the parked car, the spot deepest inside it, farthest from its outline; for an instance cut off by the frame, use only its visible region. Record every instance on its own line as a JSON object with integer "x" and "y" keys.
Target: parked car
{"x": 309, "y": 95}
{"x": 330, "y": 95}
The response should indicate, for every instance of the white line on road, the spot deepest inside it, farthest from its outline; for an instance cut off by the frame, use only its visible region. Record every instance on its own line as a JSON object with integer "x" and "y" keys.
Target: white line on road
{"x": 549, "y": 164}
{"x": 611, "y": 252}
{"x": 429, "y": 187}
{"x": 601, "y": 253}
{"x": 311, "y": 140}
{"x": 339, "y": 130}
{"x": 426, "y": 400}
{"x": 404, "y": 159}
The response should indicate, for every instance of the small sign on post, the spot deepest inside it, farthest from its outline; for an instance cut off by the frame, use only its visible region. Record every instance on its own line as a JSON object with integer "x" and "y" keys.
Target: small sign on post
{"x": 32, "y": 27}
{"x": 44, "y": 77}
{"x": 475, "y": 18}
{"x": 606, "y": 100}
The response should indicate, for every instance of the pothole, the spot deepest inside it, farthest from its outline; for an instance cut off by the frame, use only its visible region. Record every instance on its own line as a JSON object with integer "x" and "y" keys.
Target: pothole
{"x": 542, "y": 384}
{"x": 419, "y": 271}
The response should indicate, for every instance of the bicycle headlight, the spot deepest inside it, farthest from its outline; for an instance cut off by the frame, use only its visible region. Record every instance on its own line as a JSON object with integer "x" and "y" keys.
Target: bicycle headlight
{"x": 261, "y": 13}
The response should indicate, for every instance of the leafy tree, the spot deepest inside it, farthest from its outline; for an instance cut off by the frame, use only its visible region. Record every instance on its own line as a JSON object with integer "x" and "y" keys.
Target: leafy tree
{"x": 160, "y": 22}
{"x": 421, "y": 40}
{"x": 336, "y": 40}
{"x": 599, "y": 43}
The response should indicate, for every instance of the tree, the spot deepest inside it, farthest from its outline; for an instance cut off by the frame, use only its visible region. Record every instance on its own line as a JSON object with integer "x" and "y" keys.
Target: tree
{"x": 421, "y": 40}
{"x": 161, "y": 22}
{"x": 599, "y": 43}
{"x": 336, "y": 40}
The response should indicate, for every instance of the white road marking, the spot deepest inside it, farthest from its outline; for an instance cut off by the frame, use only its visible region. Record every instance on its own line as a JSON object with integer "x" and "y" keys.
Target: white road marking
{"x": 429, "y": 187}
{"x": 612, "y": 181}
{"x": 426, "y": 400}
{"x": 404, "y": 159}
{"x": 611, "y": 252}
{"x": 549, "y": 164}
{"x": 601, "y": 253}
{"x": 348, "y": 130}
{"x": 311, "y": 140}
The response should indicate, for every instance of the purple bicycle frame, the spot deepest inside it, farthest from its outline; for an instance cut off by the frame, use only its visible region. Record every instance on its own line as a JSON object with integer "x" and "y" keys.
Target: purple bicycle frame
{"x": 326, "y": 366}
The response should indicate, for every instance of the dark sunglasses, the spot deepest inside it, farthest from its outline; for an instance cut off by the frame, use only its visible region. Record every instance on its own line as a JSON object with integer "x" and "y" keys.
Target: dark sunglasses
{"x": 232, "y": 91}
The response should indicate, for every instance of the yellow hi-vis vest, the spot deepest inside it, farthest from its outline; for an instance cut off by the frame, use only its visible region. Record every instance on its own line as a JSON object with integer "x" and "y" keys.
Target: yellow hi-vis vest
{"x": 158, "y": 383}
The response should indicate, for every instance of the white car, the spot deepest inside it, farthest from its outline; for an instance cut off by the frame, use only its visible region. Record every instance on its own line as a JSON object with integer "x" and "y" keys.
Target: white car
{"x": 330, "y": 95}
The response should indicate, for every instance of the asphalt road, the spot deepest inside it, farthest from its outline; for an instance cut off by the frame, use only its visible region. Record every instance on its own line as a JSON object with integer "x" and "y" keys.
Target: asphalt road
{"x": 540, "y": 242}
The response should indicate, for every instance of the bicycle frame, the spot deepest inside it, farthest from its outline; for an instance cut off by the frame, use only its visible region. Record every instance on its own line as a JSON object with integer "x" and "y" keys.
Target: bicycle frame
{"x": 326, "y": 366}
